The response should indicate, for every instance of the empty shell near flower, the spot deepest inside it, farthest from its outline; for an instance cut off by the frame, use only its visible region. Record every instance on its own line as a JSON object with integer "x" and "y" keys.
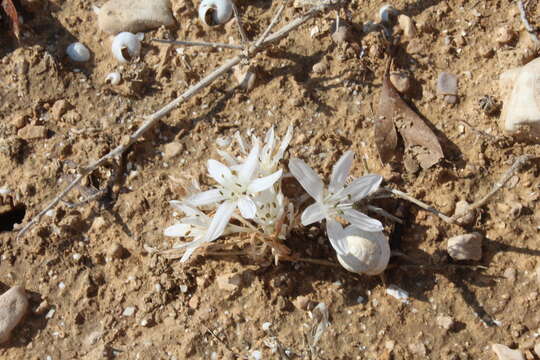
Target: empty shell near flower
{"x": 215, "y": 12}
{"x": 126, "y": 46}
{"x": 368, "y": 252}
{"x": 78, "y": 52}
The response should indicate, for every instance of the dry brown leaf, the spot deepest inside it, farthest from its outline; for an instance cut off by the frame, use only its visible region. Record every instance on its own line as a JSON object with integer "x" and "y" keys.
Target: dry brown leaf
{"x": 11, "y": 12}
{"x": 394, "y": 113}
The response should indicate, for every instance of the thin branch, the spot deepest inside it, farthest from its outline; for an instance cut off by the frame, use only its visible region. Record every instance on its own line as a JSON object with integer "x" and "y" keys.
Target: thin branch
{"x": 384, "y": 213}
{"x": 516, "y": 166}
{"x": 239, "y": 24}
{"x": 152, "y": 119}
{"x": 198, "y": 43}
{"x": 419, "y": 203}
{"x": 273, "y": 23}
{"x": 528, "y": 27}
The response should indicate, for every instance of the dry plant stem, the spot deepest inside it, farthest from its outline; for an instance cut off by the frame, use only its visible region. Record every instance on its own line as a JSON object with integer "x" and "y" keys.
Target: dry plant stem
{"x": 273, "y": 23}
{"x": 516, "y": 166}
{"x": 239, "y": 24}
{"x": 153, "y": 118}
{"x": 386, "y": 214}
{"x": 419, "y": 203}
{"x": 199, "y": 43}
{"x": 528, "y": 27}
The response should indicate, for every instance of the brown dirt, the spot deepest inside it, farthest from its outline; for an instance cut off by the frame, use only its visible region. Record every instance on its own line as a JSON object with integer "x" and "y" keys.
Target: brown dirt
{"x": 177, "y": 305}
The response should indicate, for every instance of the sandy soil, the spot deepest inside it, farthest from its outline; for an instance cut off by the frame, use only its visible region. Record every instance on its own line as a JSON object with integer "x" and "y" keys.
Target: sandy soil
{"x": 83, "y": 267}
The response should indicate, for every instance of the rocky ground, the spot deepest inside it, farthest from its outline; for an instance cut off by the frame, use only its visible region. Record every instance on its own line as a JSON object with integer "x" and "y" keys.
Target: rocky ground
{"x": 96, "y": 291}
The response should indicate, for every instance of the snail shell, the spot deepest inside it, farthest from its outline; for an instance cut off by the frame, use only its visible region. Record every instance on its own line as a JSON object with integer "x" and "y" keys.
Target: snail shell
{"x": 520, "y": 114}
{"x": 78, "y": 52}
{"x": 126, "y": 46}
{"x": 369, "y": 252}
{"x": 215, "y": 12}
{"x": 113, "y": 78}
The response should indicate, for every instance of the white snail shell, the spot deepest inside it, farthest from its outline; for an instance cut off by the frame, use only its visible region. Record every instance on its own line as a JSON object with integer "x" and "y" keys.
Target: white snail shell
{"x": 387, "y": 13}
{"x": 113, "y": 78}
{"x": 126, "y": 46}
{"x": 78, "y": 52}
{"x": 215, "y": 12}
{"x": 369, "y": 252}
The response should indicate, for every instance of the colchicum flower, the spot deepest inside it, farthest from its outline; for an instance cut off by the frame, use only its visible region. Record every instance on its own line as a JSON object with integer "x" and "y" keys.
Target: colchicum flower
{"x": 337, "y": 200}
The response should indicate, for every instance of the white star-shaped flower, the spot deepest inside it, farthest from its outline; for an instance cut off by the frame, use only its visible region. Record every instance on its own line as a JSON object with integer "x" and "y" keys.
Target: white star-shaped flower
{"x": 337, "y": 200}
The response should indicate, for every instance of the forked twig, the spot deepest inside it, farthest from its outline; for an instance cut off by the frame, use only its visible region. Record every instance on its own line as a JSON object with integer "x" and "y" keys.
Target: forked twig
{"x": 152, "y": 119}
{"x": 239, "y": 24}
{"x": 516, "y": 166}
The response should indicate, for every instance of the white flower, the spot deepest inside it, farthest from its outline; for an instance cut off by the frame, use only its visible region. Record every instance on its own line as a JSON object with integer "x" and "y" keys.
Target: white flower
{"x": 337, "y": 200}
{"x": 269, "y": 156}
{"x": 195, "y": 225}
{"x": 238, "y": 186}
{"x": 271, "y": 209}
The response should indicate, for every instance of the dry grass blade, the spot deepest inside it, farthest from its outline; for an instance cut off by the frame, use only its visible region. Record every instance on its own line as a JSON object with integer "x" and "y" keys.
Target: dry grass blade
{"x": 420, "y": 142}
{"x": 13, "y": 16}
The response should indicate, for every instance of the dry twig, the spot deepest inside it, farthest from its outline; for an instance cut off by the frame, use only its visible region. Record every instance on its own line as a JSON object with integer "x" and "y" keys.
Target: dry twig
{"x": 151, "y": 120}
{"x": 199, "y": 43}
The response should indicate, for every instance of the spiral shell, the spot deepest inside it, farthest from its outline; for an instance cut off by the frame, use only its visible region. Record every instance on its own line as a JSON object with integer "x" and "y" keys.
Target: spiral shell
{"x": 215, "y": 12}
{"x": 78, "y": 52}
{"x": 113, "y": 78}
{"x": 369, "y": 252}
{"x": 126, "y": 46}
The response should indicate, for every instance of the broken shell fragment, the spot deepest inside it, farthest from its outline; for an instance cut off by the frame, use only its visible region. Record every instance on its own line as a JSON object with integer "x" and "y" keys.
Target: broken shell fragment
{"x": 215, "y": 12}
{"x": 369, "y": 252}
{"x": 245, "y": 77}
{"x": 113, "y": 78}
{"x": 126, "y": 46}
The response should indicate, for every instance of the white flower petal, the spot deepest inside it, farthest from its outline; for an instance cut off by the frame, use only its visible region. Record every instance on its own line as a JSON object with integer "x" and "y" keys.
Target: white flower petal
{"x": 247, "y": 207}
{"x": 336, "y": 236}
{"x": 250, "y": 165}
{"x": 362, "y": 221}
{"x": 205, "y": 197}
{"x": 177, "y": 230}
{"x": 185, "y": 208}
{"x": 190, "y": 249}
{"x": 310, "y": 181}
{"x": 240, "y": 140}
{"x": 264, "y": 183}
{"x": 219, "y": 172}
{"x": 229, "y": 159}
{"x": 268, "y": 142}
{"x": 220, "y": 221}
{"x": 284, "y": 144}
{"x": 363, "y": 186}
{"x": 313, "y": 213}
{"x": 340, "y": 171}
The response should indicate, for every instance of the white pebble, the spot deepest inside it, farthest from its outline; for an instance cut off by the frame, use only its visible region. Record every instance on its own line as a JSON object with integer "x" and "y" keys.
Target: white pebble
{"x": 125, "y": 45}
{"x": 61, "y": 285}
{"x": 78, "y": 52}
{"x": 266, "y": 326}
{"x": 129, "y": 311}
{"x": 183, "y": 288}
{"x": 50, "y": 313}
{"x": 4, "y": 191}
{"x": 398, "y": 293}
{"x": 256, "y": 355}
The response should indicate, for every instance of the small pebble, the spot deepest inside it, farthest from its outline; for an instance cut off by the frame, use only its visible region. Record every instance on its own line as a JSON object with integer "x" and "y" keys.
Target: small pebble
{"x": 78, "y": 52}
{"x": 465, "y": 247}
{"x": 256, "y": 355}
{"x": 319, "y": 68}
{"x": 13, "y": 307}
{"x": 537, "y": 349}
{"x": 504, "y": 35}
{"x": 446, "y": 322}
{"x": 401, "y": 82}
{"x": 129, "y": 311}
{"x": 172, "y": 150}
{"x": 468, "y": 217}
{"x": 266, "y": 326}
{"x": 503, "y": 352}
{"x": 407, "y": 25}
{"x": 229, "y": 282}
{"x": 398, "y": 293}
{"x": 447, "y": 86}
{"x": 33, "y": 132}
